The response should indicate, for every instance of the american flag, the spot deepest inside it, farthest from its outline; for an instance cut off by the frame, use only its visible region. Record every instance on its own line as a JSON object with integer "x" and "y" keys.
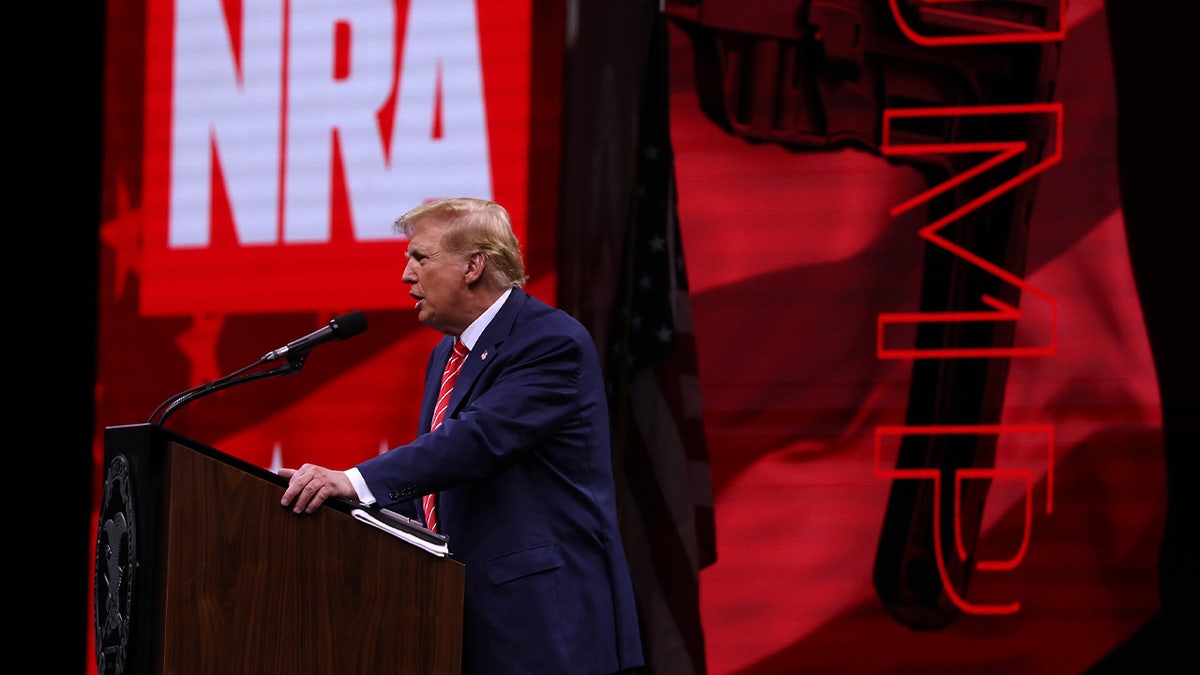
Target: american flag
{"x": 654, "y": 395}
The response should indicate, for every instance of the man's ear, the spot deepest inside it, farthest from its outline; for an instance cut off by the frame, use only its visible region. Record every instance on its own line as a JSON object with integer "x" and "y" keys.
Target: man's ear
{"x": 476, "y": 266}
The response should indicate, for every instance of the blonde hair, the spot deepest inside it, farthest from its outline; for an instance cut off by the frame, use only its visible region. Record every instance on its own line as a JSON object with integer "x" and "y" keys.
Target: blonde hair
{"x": 474, "y": 226}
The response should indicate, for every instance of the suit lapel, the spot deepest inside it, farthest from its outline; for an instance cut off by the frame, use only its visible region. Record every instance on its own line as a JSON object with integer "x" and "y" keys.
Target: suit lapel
{"x": 485, "y": 349}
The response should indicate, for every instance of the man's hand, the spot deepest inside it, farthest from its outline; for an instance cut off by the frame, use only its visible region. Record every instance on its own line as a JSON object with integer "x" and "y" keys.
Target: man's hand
{"x": 310, "y": 485}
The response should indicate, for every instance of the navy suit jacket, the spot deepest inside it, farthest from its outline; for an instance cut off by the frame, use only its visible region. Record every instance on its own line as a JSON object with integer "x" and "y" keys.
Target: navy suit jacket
{"x": 522, "y": 466}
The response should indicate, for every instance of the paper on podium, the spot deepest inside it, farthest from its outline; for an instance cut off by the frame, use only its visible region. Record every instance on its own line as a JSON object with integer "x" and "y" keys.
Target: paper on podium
{"x": 404, "y": 528}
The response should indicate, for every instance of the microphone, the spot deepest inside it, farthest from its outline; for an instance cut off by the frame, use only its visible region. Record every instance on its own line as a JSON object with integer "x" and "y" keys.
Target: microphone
{"x": 340, "y": 328}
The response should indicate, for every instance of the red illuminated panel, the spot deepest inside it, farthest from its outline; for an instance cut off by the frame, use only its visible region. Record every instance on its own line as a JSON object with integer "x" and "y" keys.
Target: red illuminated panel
{"x": 283, "y": 138}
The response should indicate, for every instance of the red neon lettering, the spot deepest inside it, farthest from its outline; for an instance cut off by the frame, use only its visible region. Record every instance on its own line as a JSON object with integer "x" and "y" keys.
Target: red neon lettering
{"x": 997, "y": 30}
{"x": 1035, "y": 21}
{"x": 960, "y": 475}
{"x": 1000, "y": 152}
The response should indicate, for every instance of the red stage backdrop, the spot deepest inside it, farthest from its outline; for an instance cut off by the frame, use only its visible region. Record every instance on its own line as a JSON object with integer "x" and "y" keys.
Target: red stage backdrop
{"x": 257, "y": 152}
{"x": 806, "y": 262}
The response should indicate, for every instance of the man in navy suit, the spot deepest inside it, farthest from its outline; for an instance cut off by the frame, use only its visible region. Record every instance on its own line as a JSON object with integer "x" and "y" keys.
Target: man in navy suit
{"x": 521, "y": 466}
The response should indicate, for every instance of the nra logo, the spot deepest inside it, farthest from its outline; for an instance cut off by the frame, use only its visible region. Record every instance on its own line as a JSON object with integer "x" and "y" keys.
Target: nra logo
{"x": 284, "y": 137}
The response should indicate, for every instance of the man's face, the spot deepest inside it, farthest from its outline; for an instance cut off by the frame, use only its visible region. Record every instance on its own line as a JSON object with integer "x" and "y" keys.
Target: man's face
{"x": 438, "y": 278}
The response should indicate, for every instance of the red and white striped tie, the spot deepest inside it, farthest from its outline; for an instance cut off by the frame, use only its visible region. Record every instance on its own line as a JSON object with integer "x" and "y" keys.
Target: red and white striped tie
{"x": 453, "y": 365}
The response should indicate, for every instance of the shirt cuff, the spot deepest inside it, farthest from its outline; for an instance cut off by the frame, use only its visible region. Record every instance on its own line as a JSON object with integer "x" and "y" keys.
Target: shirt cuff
{"x": 360, "y": 486}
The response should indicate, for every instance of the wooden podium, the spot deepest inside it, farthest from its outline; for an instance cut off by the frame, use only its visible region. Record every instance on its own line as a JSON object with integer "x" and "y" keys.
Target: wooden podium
{"x": 200, "y": 570}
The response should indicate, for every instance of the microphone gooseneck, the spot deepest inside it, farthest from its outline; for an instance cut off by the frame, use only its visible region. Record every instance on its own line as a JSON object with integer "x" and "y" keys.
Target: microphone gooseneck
{"x": 343, "y": 327}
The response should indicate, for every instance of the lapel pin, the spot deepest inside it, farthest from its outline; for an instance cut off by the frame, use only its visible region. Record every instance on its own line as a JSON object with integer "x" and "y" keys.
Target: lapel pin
{"x": 483, "y": 356}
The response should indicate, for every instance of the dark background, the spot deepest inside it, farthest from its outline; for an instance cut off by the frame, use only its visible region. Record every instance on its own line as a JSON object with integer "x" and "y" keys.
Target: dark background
{"x": 52, "y": 123}
{"x": 54, "y": 56}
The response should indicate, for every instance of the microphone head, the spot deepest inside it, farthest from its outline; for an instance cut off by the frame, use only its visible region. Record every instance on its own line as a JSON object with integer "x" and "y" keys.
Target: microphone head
{"x": 348, "y": 325}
